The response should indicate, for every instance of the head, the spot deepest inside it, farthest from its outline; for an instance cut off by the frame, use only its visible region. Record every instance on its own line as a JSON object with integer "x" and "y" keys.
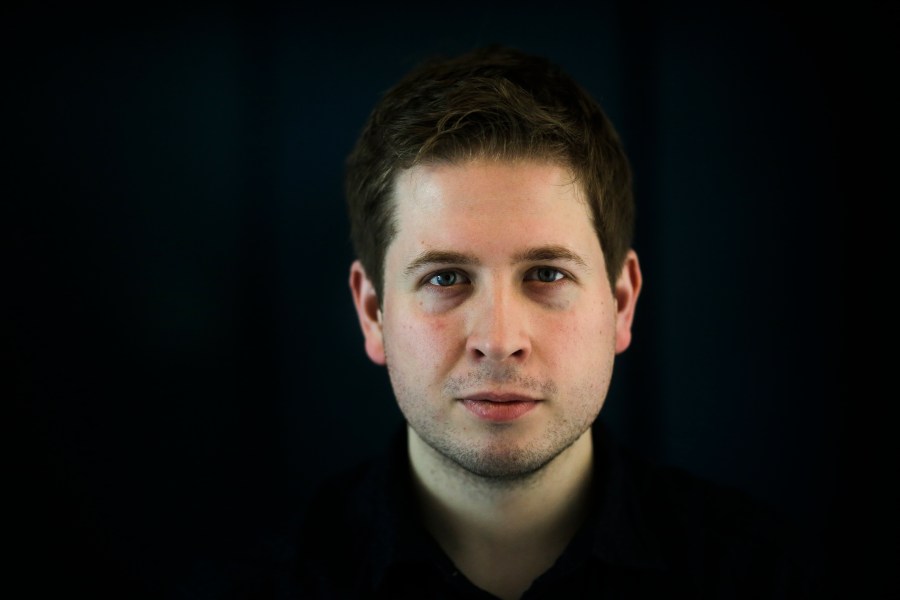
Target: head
{"x": 494, "y": 103}
{"x": 491, "y": 211}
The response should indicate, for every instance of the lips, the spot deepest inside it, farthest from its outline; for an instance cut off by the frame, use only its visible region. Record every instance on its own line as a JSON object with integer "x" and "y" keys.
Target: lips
{"x": 497, "y": 407}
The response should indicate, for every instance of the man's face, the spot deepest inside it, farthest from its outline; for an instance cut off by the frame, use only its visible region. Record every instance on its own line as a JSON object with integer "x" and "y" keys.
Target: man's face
{"x": 499, "y": 326}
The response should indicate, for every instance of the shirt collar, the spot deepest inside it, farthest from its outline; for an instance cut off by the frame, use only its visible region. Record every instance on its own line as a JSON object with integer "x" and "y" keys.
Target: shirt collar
{"x": 399, "y": 538}
{"x": 618, "y": 524}
{"x": 616, "y": 532}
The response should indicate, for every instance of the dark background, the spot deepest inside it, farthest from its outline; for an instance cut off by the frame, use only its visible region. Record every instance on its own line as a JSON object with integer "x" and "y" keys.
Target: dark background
{"x": 186, "y": 365}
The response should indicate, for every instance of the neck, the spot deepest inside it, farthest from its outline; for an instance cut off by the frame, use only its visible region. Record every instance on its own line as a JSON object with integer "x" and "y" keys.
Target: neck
{"x": 502, "y": 534}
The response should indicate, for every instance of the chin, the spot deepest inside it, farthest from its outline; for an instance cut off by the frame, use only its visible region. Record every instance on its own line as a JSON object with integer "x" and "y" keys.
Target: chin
{"x": 500, "y": 461}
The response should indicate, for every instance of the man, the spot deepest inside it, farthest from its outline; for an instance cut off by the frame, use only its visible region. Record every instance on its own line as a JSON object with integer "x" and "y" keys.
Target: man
{"x": 492, "y": 214}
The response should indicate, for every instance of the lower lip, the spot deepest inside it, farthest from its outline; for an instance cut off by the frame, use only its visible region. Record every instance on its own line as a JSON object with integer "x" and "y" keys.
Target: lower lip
{"x": 498, "y": 411}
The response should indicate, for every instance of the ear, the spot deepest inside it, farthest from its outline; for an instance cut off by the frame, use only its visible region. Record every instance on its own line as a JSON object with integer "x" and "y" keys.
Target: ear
{"x": 366, "y": 301}
{"x": 626, "y": 292}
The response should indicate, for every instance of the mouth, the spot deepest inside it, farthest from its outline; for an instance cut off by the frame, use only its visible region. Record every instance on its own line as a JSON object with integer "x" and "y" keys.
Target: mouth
{"x": 497, "y": 407}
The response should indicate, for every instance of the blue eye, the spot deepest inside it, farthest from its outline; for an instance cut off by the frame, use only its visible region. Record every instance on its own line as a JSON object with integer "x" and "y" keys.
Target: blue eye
{"x": 545, "y": 275}
{"x": 445, "y": 279}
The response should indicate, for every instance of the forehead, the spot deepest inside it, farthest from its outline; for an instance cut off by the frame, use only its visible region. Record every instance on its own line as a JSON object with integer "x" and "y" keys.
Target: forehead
{"x": 485, "y": 204}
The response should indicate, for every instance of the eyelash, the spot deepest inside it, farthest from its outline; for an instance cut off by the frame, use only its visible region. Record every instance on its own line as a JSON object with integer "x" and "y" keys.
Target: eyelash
{"x": 430, "y": 279}
{"x": 560, "y": 275}
{"x": 556, "y": 271}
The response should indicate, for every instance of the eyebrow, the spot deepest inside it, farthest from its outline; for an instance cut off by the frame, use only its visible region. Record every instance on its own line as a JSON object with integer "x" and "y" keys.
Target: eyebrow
{"x": 549, "y": 253}
{"x": 439, "y": 257}
{"x": 539, "y": 253}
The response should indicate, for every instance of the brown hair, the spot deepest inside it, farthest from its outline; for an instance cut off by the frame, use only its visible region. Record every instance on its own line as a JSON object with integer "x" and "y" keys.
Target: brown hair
{"x": 494, "y": 103}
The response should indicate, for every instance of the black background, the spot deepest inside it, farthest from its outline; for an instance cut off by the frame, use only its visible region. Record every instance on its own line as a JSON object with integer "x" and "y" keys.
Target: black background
{"x": 186, "y": 365}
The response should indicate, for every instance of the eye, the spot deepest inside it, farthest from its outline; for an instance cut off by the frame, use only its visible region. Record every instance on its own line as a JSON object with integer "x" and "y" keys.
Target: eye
{"x": 545, "y": 275}
{"x": 447, "y": 279}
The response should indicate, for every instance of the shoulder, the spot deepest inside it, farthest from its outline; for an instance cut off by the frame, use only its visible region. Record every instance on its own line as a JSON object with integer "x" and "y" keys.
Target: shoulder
{"x": 314, "y": 554}
{"x": 247, "y": 563}
{"x": 345, "y": 502}
{"x": 719, "y": 540}
{"x": 339, "y": 538}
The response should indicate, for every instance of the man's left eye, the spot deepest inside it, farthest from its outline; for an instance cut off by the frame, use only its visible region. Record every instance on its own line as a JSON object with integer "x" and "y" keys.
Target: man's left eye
{"x": 545, "y": 275}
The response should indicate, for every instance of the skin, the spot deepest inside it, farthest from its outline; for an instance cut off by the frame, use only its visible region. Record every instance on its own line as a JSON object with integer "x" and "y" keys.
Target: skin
{"x": 496, "y": 284}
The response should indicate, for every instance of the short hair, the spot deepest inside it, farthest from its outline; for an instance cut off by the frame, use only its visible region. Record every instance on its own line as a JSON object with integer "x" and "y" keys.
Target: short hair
{"x": 495, "y": 103}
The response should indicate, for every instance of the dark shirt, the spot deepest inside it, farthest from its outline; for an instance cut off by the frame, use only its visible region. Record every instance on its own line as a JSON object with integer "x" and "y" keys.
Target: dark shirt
{"x": 651, "y": 532}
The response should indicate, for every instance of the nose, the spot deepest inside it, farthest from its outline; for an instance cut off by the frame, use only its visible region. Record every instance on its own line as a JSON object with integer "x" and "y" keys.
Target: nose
{"x": 499, "y": 327}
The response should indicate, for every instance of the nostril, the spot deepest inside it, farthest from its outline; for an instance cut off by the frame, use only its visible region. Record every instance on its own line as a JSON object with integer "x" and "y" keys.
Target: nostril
{"x": 487, "y": 354}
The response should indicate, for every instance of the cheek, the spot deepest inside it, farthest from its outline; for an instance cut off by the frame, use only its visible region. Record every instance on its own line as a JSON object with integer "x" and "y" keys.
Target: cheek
{"x": 580, "y": 327}
{"x": 583, "y": 364}
{"x": 580, "y": 344}
{"x": 424, "y": 343}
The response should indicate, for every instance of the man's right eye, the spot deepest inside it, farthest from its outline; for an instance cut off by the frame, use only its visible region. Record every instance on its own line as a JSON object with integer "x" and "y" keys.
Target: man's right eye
{"x": 446, "y": 279}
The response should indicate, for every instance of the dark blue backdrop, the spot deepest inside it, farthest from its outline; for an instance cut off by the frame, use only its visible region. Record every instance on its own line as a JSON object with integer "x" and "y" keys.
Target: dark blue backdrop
{"x": 186, "y": 362}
